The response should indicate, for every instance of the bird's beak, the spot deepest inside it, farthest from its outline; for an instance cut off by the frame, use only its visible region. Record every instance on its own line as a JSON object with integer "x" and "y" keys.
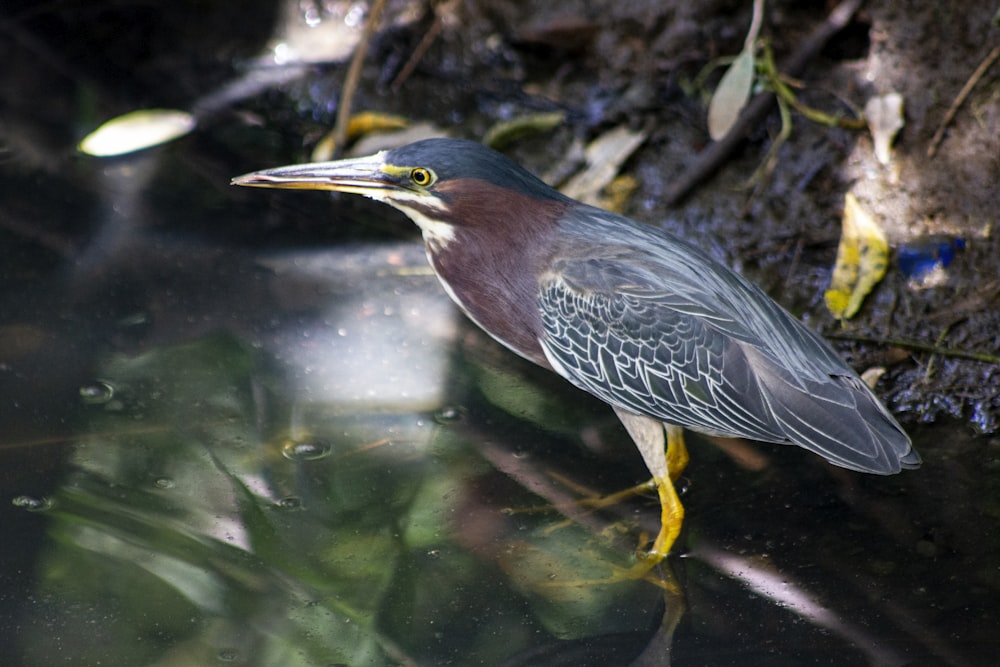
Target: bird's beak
{"x": 363, "y": 176}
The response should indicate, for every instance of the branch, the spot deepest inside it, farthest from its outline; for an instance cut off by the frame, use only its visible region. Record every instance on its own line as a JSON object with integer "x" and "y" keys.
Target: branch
{"x": 985, "y": 357}
{"x": 709, "y": 160}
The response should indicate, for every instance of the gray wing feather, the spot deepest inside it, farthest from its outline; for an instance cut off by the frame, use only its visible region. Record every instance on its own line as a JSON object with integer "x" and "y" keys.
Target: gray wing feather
{"x": 658, "y": 328}
{"x": 652, "y": 359}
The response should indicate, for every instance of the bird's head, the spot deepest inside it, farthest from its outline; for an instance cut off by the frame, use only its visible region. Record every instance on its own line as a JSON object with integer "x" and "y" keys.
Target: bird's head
{"x": 441, "y": 184}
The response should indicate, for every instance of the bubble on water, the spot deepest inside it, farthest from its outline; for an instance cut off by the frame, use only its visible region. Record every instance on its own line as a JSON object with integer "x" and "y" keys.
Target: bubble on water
{"x": 290, "y": 503}
{"x": 306, "y": 450}
{"x": 228, "y": 655}
{"x": 97, "y": 392}
{"x": 449, "y": 414}
{"x": 164, "y": 483}
{"x": 33, "y": 504}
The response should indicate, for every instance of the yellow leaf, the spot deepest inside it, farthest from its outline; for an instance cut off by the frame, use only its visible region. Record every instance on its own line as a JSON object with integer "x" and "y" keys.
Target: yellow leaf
{"x": 360, "y": 124}
{"x": 862, "y": 257}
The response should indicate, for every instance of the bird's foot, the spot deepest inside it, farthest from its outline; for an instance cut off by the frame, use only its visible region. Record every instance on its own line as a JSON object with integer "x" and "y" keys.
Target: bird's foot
{"x": 648, "y": 567}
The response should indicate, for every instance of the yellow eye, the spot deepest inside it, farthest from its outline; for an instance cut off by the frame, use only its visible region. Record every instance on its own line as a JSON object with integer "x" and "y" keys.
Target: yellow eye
{"x": 422, "y": 177}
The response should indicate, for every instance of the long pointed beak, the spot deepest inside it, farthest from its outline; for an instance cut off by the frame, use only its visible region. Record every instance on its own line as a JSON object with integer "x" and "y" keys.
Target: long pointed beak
{"x": 363, "y": 176}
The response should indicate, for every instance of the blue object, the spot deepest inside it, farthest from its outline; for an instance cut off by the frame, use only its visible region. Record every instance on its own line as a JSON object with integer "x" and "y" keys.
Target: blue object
{"x": 918, "y": 259}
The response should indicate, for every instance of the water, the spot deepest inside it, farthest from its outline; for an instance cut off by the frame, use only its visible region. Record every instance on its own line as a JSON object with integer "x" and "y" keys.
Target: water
{"x": 247, "y": 496}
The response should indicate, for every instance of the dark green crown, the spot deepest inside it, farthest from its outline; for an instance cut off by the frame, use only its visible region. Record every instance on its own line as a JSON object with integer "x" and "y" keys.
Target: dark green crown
{"x": 458, "y": 158}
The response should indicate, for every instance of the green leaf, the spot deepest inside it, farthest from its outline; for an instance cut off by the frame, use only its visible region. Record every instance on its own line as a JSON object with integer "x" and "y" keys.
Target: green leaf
{"x": 731, "y": 95}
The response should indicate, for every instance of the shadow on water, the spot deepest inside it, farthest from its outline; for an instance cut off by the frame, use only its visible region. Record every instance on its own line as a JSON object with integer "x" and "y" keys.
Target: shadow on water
{"x": 223, "y": 441}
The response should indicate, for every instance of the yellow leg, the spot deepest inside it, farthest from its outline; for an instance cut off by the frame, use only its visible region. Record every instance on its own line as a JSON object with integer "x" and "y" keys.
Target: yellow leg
{"x": 666, "y": 461}
{"x": 671, "y": 510}
{"x": 677, "y": 451}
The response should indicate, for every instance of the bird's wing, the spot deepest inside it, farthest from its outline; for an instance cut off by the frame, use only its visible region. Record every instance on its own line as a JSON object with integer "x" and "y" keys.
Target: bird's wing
{"x": 679, "y": 337}
{"x": 648, "y": 353}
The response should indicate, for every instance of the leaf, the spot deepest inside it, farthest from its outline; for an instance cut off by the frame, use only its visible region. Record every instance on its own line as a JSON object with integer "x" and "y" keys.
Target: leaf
{"x": 872, "y": 375}
{"x": 862, "y": 257}
{"x": 359, "y": 125}
{"x": 508, "y": 131}
{"x": 731, "y": 95}
{"x": 136, "y": 131}
{"x": 605, "y": 156}
{"x": 884, "y": 115}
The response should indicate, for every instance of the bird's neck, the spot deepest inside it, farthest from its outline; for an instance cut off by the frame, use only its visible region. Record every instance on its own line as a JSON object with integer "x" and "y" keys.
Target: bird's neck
{"x": 491, "y": 265}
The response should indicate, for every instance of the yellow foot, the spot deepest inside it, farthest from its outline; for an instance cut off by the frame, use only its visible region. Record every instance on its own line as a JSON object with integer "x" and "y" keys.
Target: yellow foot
{"x": 665, "y": 454}
{"x": 671, "y": 519}
{"x": 617, "y": 497}
{"x": 663, "y": 449}
{"x": 590, "y": 498}
{"x": 645, "y": 568}
{"x": 590, "y": 502}
{"x": 651, "y": 570}
{"x": 666, "y": 461}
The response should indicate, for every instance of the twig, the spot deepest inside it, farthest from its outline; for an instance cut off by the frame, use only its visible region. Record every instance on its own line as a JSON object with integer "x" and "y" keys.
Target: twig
{"x": 930, "y": 362}
{"x": 964, "y": 93}
{"x": 781, "y": 85}
{"x": 418, "y": 53}
{"x": 755, "y": 22}
{"x": 353, "y": 76}
{"x": 985, "y": 357}
{"x": 712, "y": 157}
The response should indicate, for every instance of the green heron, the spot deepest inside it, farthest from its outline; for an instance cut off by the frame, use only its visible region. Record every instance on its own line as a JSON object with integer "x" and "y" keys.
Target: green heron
{"x": 646, "y": 322}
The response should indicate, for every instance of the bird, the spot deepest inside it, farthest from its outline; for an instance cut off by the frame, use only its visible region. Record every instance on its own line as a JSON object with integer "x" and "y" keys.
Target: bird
{"x": 652, "y": 325}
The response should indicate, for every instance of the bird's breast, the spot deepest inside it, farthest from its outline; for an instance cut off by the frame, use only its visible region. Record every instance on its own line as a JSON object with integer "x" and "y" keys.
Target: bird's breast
{"x": 502, "y": 240}
{"x": 497, "y": 291}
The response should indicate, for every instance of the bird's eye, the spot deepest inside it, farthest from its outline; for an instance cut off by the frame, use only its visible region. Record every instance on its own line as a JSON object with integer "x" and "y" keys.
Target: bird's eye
{"x": 422, "y": 177}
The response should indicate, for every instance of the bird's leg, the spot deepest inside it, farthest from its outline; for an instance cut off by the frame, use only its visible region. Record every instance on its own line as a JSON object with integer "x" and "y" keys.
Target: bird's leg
{"x": 665, "y": 461}
{"x": 671, "y": 510}
{"x": 677, "y": 451}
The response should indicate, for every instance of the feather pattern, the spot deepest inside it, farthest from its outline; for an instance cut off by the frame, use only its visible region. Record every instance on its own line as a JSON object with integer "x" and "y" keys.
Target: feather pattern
{"x": 655, "y": 326}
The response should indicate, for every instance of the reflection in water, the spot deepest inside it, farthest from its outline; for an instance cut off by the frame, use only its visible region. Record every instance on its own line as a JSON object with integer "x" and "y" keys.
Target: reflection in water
{"x": 761, "y": 578}
{"x": 32, "y": 504}
{"x": 232, "y": 505}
